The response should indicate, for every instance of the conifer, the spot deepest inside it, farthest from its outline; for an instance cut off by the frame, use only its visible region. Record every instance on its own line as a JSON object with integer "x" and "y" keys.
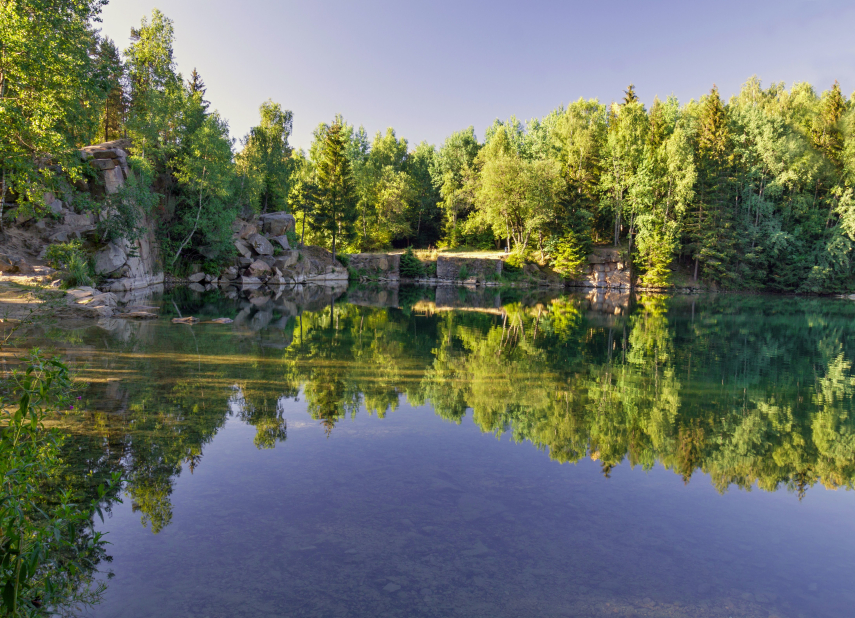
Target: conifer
{"x": 336, "y": 208}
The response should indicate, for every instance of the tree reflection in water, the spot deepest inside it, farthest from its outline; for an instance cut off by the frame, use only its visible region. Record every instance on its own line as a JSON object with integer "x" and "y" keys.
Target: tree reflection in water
{"x": 752, "y": 391}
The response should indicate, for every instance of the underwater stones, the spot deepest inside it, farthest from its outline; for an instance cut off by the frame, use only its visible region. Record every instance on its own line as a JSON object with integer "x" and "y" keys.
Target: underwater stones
{"x": 390, "y": 587}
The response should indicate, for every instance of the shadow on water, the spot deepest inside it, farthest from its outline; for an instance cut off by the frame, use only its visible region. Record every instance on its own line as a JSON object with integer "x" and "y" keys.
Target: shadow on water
{"x": 746, "y": 392}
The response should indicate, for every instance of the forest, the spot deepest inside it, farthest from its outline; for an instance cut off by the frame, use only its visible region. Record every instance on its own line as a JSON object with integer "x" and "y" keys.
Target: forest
{"x": 754, "y": 192}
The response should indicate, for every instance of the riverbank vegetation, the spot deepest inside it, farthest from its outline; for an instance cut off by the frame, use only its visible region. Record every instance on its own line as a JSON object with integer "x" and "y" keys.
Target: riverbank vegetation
{"x": 753, "y": 192}
{"x": 48, "y": 546}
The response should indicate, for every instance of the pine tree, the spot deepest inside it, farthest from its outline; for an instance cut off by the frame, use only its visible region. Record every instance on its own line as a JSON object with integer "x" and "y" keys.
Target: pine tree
{"x": 713, "y": 231}
{"x": 629, "y": 95}
{"x": 336, "y": 208}
{"x": 826, "y": 134}
{"x": 116, "y": 102}
{"x": 195, "y": 84}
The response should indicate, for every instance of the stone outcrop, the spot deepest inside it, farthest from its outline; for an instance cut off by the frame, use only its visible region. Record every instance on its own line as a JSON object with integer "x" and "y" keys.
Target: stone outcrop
{"x": 276, "y": 223}
{"x": 605, "y": 269}
{"x": 266, "y": 258}
{"x": 376, "y": 266}
{"x": 467, "y": 270}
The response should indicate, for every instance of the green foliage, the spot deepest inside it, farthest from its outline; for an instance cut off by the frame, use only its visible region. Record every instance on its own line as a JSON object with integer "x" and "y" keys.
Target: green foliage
{"x": 265, "y": 161}
{"x": 75, "y": 263}
{"x": 51, "y": 92}
{"x": 463, "y": 273}
{"x": 48, "y": 545}
{"x": 336, "y": 208}
{"x": 411, "y": 267}
{"x": 344, "y": 259}
{"x": 514, "y": 262}
{"x": 568, "y": 256}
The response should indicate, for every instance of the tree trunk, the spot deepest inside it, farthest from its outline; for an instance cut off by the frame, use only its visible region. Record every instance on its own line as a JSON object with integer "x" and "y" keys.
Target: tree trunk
{"x": 2, "y": 199}
{"x": 696, "y": 268}
{"x": 195, "y": 225}
{"x": 303, "y": 233}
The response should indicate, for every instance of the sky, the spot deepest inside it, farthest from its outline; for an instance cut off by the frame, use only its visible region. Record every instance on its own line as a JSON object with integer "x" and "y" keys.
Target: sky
{"x": 431, "y": 68}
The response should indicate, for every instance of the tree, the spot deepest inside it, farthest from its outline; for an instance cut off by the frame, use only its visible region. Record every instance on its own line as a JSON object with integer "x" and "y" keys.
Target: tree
{"x": 623, "y": 155}
{"x": 206, "y": 171}
{"x": 336, "y": 209}
{"x": 451, "y": 168}
{"x": 265, "y": 158}
{"x": 116, "y": 102}
{"x": 712, "y": 224}
{"x": 515, "y": 197}
{"x": 51, "y": 92}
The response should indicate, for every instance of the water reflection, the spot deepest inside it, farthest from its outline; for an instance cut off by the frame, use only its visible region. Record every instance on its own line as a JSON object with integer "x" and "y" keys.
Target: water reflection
{"x": 752, "y": 392}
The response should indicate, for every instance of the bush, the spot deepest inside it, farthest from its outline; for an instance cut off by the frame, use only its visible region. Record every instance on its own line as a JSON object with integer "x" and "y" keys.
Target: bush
{"x": 463, "y": 273}
{"x": 568, "y": 256}
{"x": 70, "y": 258}
{"x": 48, "y": 546}
{"x": 513, "y": 263}
{"x": 411, "y": 266}
{"x": 344, "y": 258}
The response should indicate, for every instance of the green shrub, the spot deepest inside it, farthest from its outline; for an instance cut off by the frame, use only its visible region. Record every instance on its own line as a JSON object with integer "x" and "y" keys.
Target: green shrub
{"x": 463, "y": 273}
{"x": 513, "y": 263}
{"x": 75, "y": 263}
{"x": 411, "y": 267}
{"x": 568, "y": 256}
{"x": 48, "y": 546}
{"x": 344, "y": 258}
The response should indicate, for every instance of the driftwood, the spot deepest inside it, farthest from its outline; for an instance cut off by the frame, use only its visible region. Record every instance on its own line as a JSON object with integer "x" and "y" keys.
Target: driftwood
{"x": 188, "y": 320}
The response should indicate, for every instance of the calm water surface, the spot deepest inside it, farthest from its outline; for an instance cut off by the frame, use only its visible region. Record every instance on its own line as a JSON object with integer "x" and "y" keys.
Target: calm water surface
{"x": 424, "y": 453}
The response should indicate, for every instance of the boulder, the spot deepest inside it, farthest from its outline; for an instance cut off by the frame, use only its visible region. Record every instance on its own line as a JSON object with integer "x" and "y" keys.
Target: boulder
{"x": 243, "y": 249}
{"x": 261, "y": 245}
{"x": 110, "y": 259}
{"x": 104, "y": 154}
{"x": 276, "y": 223}
{"x": 286, "y": 260}
{"x": 247, "y": 230}
{"x": 277, "y": 280}
{"x": 55, "y": 207}
{"x": 258, "y": 268}
{"x": 282, "y": 241}
{"x": 103, "y": 164}
{"x": 248, "y": 282}
{"x": 197, "y": 287}
{"x": 113, "y": 179}
{"x": 196, "y": 277}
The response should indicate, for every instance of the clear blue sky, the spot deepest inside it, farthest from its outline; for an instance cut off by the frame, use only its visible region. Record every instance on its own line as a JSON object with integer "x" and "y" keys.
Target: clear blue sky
{"x": 430, "y": 68}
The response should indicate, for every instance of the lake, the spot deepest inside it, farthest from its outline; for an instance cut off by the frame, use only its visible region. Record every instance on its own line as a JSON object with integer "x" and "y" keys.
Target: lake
{"x": 451, "y": 452}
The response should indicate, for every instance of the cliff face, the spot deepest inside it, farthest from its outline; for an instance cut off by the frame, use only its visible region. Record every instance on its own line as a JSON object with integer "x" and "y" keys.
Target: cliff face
{"x": 126, "y": 265}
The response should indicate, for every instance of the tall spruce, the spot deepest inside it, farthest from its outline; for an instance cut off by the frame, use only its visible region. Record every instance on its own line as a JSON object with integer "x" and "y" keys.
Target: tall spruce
{"x": 712, "y": 227}
{"x": 336, "y": 207}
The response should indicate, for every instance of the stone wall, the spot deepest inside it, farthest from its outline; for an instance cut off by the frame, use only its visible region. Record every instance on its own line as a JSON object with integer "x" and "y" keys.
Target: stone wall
{"x": 381, "y": 266}
{"x": 605, "y": 269}
{"x": 476, "y": 270}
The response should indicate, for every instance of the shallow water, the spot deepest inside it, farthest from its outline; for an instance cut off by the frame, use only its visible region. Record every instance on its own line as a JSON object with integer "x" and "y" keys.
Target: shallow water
{"x": 420, "y": 453}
